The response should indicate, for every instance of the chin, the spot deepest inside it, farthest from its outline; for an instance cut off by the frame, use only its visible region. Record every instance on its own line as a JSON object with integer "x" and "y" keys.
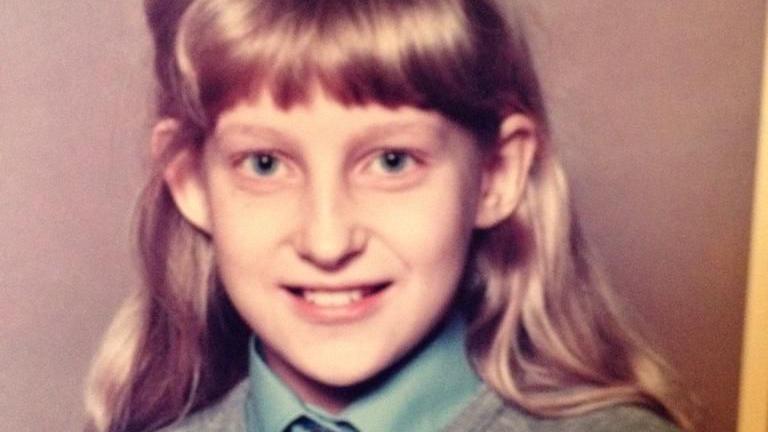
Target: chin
{"x": 345, "y": 375}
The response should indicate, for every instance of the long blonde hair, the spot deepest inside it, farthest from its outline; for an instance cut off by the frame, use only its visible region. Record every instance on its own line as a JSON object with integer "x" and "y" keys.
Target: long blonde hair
{"x": 544, "y": 333}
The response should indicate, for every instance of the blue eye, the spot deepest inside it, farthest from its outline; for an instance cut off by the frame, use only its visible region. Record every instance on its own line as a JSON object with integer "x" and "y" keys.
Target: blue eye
{"x": 394, "y": 161}
{"x": 263, "y": 164}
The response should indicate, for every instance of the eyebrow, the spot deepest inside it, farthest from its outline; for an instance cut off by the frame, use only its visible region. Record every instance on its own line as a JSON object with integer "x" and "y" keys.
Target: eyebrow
{"x": 382, "y": 131}
{"x": 428, "y": 129}
{"x": 254, "y": 130}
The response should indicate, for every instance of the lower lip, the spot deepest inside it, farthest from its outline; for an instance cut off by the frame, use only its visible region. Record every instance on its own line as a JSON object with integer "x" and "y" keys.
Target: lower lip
{"x": 352, "y": 312}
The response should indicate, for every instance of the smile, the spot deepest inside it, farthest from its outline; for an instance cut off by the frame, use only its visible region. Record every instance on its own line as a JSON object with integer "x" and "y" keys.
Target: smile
{"x": 337, "y": 297}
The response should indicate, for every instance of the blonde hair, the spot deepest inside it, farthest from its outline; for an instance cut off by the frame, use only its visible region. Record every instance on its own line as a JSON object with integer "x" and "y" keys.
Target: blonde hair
{"x": 543, "y": 332}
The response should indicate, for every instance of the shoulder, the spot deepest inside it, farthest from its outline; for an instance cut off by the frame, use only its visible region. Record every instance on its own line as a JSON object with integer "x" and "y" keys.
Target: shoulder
{"x": 226, "y": 415}
{"x": 617, "y": 418}
{"x": 489, "y": 413}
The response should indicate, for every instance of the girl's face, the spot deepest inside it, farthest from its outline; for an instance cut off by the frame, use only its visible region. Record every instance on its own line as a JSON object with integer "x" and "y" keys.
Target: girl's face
{"x": 340, "y": 233}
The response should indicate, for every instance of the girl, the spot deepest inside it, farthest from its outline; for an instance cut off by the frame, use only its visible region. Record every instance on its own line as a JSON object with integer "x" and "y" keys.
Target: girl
{"x": 357, "y": 222}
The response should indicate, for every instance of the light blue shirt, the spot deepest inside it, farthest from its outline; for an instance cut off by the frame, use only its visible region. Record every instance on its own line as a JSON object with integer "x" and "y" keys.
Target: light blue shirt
{"x": 422, "y": 396}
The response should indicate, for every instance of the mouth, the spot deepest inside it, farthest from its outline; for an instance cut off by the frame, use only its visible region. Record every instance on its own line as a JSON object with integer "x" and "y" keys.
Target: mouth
{"x": 336, "y": 297}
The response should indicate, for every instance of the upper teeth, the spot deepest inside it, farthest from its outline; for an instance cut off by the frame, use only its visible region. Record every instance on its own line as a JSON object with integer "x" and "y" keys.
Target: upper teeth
{"x": 332, "y": 298}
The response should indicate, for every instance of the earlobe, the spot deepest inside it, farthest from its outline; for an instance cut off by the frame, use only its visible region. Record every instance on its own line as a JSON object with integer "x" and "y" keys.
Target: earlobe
{"x": 182, "y": 173}
{"x": 506, "y": 174}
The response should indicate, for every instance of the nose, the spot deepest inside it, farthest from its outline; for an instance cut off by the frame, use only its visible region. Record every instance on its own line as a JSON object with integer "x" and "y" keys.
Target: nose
{"x": 329, "y": 237}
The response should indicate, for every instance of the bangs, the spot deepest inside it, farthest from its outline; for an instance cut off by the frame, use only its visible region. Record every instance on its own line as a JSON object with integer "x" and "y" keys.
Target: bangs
{"x": 451, "y": 56}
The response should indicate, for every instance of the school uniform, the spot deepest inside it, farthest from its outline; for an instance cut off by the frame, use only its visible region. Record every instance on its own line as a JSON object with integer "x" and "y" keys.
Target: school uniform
{"x": 435, "y": 391}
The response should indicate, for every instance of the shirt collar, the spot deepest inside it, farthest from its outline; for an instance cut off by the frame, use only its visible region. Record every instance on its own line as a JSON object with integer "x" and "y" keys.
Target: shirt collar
{"x": 271, "y": 406}
{"x": 424, "y": 394}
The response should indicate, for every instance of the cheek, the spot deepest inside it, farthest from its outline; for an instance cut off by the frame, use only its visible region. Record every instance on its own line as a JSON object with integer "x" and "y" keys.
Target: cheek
{"x": 431, "y": 226}
{"x": 247, "y": 233}
{"x": 248, "y": 236}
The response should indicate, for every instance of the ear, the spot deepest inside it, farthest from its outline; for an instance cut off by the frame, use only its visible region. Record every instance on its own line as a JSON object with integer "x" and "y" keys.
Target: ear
{"x": 506, "y": 171}
{"x": 183, "y": 174}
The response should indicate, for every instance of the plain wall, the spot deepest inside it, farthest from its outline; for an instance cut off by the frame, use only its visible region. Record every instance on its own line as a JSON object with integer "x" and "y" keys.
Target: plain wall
{"x": 73, "y": 115}
{"x": 654, "y": 107}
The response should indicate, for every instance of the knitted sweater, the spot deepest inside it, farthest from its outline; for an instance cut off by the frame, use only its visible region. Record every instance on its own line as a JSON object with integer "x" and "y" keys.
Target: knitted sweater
{"x": 485, "y": 413}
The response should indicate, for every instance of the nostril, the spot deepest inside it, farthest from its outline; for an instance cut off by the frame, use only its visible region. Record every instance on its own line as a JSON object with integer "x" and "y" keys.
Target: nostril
{"x": 330, "y": 251}
{"x": 329, "y": 262}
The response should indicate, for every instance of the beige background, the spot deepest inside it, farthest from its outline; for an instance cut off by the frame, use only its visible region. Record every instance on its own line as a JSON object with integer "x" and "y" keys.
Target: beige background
{"x": 654, "y": 105}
